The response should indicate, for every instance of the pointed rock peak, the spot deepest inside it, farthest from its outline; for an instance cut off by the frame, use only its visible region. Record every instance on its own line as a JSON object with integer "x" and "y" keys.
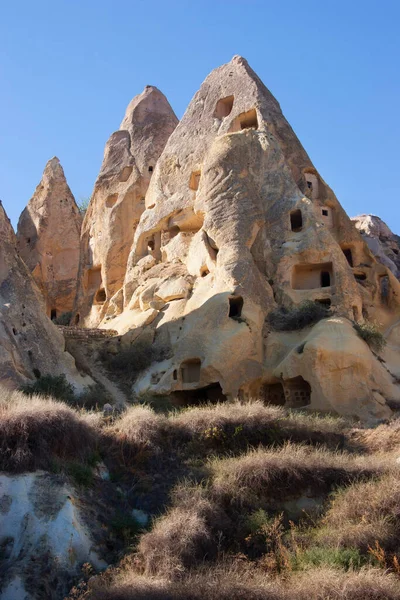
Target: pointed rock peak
{"x": 53, "y": 169}
{"x": 150, "y": 104}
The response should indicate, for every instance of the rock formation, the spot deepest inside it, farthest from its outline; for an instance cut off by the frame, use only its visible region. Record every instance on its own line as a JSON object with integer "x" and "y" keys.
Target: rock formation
{"x": 30, "y": 345}
{"x": 382, "y": 242}
{"x": 238, "y": 222}
{"x": 49, "y": 238}
{"x": 117, "y": 202}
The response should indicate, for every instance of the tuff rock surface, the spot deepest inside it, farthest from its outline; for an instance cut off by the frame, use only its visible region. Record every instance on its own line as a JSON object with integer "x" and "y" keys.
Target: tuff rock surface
{"x": 118, "y": 201}
{"x": 49, "y": 238}
{"x": 237, "y": 222}
{"x": 30, "y": 345}
{"x": 382, "y": 242}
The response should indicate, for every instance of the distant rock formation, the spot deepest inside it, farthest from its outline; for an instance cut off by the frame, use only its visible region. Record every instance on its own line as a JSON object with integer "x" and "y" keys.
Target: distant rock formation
{"x": 49, "y": 239}
{"x": 30, "y": 345}
{"x": 382, "y": 242}
{"x": 237, "y": 222}
{"x": 117, "y": 202}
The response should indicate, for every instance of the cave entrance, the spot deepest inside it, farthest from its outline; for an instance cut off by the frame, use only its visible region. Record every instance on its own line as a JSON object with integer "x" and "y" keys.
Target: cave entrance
{"x": 297, "y": 392}
{"x": 211, "y": 393}
{"x": 296, "y": 220}
{"x": 273, "y": 393}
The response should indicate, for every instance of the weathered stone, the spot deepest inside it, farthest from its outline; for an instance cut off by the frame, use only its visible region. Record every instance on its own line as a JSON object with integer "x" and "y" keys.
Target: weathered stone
{"x": 118, "y": 200}
{"x": 382, "y": 242}
{"x": 30, "y": 345}
{"x": 49, "y": 239}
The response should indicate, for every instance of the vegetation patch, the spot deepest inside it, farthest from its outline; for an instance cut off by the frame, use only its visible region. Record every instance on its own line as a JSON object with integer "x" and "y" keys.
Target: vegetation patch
{"x": 370, "y": 333}
{"x": 305, "y": 314}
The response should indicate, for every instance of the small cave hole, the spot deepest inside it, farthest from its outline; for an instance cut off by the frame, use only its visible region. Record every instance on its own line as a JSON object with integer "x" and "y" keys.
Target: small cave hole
{"x": 349, "y": 256}
{"x": 235, "y": 307}
{"x": 325, "y": 302}
{"x": 15, "y": 332}
{"x": 150, "y": 169}
{"x": 224, "y": 107}
{"x": 28, "y": 240}
{"x": 101, "y": 296}
{"x": 325, "y": 279}
{"x": 53, "y": 314}
{"x": 360, "y": 276}
{"x": 77, "y": 318}
{"x": 325, "y": 213}
{"x": 204, "y": 272}
{"x": 296, "y": 220}
{"x": 151, "y": 245}
{"x": 175, "y": 375}
{"x": 37, "y": 373}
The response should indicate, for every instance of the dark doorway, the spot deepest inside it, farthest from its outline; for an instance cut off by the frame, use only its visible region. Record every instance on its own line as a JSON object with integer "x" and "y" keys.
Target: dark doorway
{"x": 296, "y": 220}
{"x": 325, "y": 279}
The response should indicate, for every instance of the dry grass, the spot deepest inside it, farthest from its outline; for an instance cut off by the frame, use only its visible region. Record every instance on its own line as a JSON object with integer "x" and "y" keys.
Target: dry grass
{"x": 35, "y": 430}
{"x": 243, "y": 581}
{"x": 274, "y": 474}
{"x": 365, "y": 513}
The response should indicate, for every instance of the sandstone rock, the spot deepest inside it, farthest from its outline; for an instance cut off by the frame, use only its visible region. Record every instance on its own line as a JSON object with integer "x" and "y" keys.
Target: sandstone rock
{"x": 238, "y": 218}
{"x": 42, "y": 531}
{"x": 30, "y": 345}
{"x": 49, "y": 239}
{"x": 384, "y": 244}
{"x": 118, "y": 201}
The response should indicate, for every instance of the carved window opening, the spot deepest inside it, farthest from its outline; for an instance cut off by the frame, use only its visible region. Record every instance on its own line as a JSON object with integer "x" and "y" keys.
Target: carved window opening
{"x": 312, "y": 276}
{"x": 349, "y": 256}
{"x": 296, "y": 220}
{"x": 224, "y": 107}
{"x": 150, "y": 169}
{"x": 325, "y": 279}
{"x": 190, "y": 370}
{"x": 235, "y": 307}
{"x": 53, "y": 314}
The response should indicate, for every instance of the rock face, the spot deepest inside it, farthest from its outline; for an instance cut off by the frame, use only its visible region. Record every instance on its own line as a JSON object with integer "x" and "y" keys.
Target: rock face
{"x": 382, "y": 242}
{"x": 238, "y": 222}
{"x": 30, "y": 345}
{"x": 49, "y": 238}
{"x": 117, "y": 202}
{"x": 44, "y": 539}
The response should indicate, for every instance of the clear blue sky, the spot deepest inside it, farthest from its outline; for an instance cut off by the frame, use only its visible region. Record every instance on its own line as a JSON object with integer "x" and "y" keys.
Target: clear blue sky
{"x": 68, "y": 69}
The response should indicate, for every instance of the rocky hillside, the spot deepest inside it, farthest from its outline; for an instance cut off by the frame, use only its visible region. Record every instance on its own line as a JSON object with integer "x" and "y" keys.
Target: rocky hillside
{"x": 214, "y": 412}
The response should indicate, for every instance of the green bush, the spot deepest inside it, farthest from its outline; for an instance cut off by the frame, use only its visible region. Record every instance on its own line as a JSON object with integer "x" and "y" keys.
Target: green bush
{"x": 94, "y": 396}
{"x": 370, "y": 333}
{"x": 81, "y": 474}
{"x": 63, "y": 319}
{"x": 126, "y": 526}
{"x": 56, "y": 386}
{"x": 340, "y": 558}
{"x": 298, "y": 317}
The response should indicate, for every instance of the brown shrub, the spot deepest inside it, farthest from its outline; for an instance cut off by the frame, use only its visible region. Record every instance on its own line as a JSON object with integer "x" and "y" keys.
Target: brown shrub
{"x": 35, "y": 430}
{"x": 262, "y": 475}
{"x": 183, "y": 536}
{"x": 244, "y": 581}
{"x": 365, "y": 513}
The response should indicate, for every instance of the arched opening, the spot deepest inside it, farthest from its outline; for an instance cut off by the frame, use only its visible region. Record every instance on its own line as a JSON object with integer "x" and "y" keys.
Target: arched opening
{"x": 190, "y": 370}
{"x": 150, "y": 169}
{"x": 235, "y": 307}
{"x": 325, "y": 279}
{"x": 224, "y": 107}
{"x": 211, "y": 393}
{"x": 53, "y": 314}
{"x": 296, "y": 220}
{"x": 273, "y": 393}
